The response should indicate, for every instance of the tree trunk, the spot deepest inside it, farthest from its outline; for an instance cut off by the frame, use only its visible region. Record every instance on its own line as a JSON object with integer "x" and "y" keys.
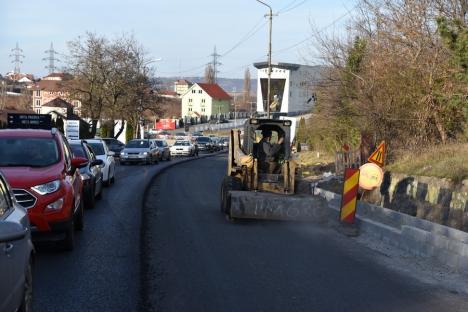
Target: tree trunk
{"x": 93, "y": 127}
{"x": 440, "y": 127}
{"x": 122, "y": 126}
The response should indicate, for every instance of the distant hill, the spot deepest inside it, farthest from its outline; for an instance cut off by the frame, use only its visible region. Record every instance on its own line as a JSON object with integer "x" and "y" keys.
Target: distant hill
{"x": 228, "y": 84}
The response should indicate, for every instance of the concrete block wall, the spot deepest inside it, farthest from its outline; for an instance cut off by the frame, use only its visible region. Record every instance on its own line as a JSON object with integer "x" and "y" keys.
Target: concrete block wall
{"x": 417, "y": 236}
{"x": 433, "y": 199}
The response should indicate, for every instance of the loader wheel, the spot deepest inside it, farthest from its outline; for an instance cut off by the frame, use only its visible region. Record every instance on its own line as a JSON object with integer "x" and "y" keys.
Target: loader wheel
{"x": 229, "y": 184}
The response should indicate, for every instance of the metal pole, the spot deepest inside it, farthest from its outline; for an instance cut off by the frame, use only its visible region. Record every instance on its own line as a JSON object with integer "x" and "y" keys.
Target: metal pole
{"x": 270, "y": 15}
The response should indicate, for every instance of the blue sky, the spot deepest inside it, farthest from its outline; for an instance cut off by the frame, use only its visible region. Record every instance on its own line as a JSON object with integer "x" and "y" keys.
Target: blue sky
{"x": 183, "y": 33}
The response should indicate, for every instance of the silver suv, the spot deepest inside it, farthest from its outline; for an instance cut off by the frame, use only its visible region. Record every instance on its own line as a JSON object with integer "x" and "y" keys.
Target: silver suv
{"x": 16, "y": 252}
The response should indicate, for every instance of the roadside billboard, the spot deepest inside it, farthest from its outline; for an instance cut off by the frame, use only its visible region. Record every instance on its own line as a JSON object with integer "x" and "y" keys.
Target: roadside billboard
{"x": 165, "y": 124}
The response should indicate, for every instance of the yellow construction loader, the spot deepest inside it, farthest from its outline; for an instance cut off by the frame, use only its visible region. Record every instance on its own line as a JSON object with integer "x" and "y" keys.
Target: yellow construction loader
{"x": 250, "y": 191}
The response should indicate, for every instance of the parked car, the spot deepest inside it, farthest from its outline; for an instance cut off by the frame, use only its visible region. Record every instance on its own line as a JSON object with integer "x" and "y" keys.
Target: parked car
{"x": 181, "y": 136}
{"x": 114, "y": 145}
{"x": 91, "y": 174}
{"x": 164, "y": 150}
{"x": 42, "y": 171}
{"x": 139, "y": 151}
{"x": 103, "y": 153}
{"x": 204, "y": 144}
{"x": 16, "y": 256}
{"x": 164, "y": 135}
{"x": 224, "y": 142}
{"x": 183, "y": 148}
{"x": 217, "y": 146}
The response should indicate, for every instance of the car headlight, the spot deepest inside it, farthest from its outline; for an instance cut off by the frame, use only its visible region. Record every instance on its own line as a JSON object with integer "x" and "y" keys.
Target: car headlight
{"x": 47, "y": 188}
{"x": 122, "y": 154}
{"x": 145, "y": 153}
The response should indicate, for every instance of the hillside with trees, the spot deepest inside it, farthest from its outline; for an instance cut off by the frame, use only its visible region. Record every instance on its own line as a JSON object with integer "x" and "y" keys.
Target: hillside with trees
{"x": 401, "y": 75}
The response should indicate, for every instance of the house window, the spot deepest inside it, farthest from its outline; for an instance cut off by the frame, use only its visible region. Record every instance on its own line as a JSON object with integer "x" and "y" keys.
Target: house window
{"x": 38, "y": 102}
{"x": 203, "y": 109}
{"x": 38, "y": 92}
{"x": 193, "y": 91}
{"x": 203, "y": 100}
{"x": 190, "y": 100}
{"x": 38, "y": 110}
{"x": 200, "y": 91}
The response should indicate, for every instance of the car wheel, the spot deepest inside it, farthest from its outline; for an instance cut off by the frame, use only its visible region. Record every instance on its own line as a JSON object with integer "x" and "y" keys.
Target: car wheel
{"x": 69, "y": 241}
{"x": 113, "y": 178}
{"x": 91, "y": 200}
{"x": 99, "y": 195}
{"x": 79, "y": 222}
{"x": 229, "y": 184}
{"x": 169, "y": 157}
{"x": 123, "y": 163}
{"x": 26, "y": 303}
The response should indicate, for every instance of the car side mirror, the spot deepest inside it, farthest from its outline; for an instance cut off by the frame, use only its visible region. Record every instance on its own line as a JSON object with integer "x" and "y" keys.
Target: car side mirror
{"x": 79, "y": 162}
{"x": 11, "y": 231}
{"x": 110, "y": 153}
{"x": 97, "y": 162}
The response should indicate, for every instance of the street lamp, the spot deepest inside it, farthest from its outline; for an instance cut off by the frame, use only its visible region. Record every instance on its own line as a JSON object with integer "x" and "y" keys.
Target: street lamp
{"x": 270, "y": 15}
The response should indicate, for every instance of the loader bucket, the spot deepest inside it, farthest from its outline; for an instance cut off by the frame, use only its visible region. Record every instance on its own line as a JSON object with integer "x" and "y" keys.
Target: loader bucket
{"x": 261, "y": 205}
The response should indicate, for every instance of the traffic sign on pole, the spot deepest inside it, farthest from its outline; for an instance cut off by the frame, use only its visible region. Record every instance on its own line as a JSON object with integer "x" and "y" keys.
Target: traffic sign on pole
{"x": 349, "y": 197}
{"x": 378, "y": 156}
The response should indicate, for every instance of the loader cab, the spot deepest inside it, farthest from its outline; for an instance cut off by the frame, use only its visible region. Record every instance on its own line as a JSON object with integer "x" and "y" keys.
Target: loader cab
{"x": 253, "y": 134}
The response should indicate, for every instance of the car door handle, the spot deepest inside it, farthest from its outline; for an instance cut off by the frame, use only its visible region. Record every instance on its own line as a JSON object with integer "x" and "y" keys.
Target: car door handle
{"x": 8, "y": 248}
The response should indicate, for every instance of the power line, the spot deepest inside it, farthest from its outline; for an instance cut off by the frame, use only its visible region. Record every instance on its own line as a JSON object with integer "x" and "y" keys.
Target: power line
{"x": 286, "y": 10}
{"x": 17, "y": 58}
{"x": 258, "y": 26}
{"x": 51, "y": 58}
{"x": 215, "y": 63}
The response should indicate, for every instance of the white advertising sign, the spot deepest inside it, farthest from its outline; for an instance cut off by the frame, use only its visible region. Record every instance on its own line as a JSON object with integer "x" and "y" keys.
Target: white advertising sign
{"x": 72, "y": 129}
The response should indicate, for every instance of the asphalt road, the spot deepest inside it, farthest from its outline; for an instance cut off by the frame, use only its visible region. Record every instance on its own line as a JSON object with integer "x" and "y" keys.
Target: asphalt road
{"x": 102, "y": 273}
{"x": 194, "y": 260}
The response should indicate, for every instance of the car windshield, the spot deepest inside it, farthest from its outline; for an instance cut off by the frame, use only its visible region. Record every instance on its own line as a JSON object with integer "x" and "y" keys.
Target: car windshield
{"x": 138, "y": 144}
{"x": 78, "y": 151}
{"x": 203, "y": 139}
{"x": 98, "y": 148}
{"x": 159, "y": 143}
{"x": 182, "y": 143}
{"x": 180, "y": 134}
{"x": 28, "y": 152}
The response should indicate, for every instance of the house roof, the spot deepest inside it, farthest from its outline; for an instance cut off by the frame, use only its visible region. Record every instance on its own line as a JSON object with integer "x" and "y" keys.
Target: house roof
{"x": 58, "y": 76}
{"x": 183, "y": 82}
{"x": 58, "y": 102}
{"x": 215, "y": 91}
{"x": 49, "y": 85}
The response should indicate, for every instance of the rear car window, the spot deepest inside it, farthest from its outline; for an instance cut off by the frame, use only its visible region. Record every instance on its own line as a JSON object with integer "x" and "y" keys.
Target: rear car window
{"x": 138, "y": 144}
{"x": 98, "y": 148}
{"x": 77, "y": 150}
{"x": 28, "y": 152}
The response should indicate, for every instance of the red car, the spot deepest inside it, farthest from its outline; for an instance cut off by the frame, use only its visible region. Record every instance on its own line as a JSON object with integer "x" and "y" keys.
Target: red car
{"x": 42, "y": 172}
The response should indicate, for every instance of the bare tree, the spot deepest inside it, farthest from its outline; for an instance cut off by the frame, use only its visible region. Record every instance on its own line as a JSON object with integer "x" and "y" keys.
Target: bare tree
{"x": 246, "y": 87}
{"x": 209, "y": 74}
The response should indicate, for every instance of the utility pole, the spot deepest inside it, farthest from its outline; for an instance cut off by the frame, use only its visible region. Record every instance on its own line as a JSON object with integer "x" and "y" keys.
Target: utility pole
{"x": 3, "y": 94}
{"x": 17, "y": 58}
{"x": 270, "y": 16}
{"x": 215, "y": 63}
{"x": 51, "y": 58}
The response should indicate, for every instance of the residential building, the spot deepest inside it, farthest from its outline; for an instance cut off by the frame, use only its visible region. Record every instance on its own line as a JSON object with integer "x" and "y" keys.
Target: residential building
{"x": 50, "y": 88}
{"x": 292, "y": 87}
{"x": 203, "y": 99}
{"x": 181, "y": 86}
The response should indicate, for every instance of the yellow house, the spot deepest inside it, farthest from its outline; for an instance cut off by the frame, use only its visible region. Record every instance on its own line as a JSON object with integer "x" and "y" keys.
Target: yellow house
{"x": 204, "y": 99}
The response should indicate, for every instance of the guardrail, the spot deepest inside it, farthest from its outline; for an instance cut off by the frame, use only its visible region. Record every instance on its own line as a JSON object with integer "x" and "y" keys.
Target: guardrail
{"x": 215, "y": 127}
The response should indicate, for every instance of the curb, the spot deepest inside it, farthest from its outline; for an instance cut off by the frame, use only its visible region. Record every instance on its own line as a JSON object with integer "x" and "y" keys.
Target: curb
{"x": 143, "y": 260}
{"x": 419, "y": 237}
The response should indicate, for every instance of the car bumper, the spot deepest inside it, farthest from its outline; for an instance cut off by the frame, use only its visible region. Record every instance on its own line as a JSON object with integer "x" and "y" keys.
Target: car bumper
{"x": 181, "y": 153}
{"x": 134, "y": 159}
